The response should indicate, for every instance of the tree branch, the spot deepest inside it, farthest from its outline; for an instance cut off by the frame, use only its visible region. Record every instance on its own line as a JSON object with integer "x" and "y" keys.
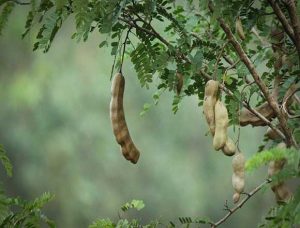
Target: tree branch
{"x": 291, "y": 7}
{"x": 247, "y": 106}
{"x": 270, "y": 99}
{"x": 281, "y": 17}
{"x": 240, "y": 205}
{"x": 18, "y": 2}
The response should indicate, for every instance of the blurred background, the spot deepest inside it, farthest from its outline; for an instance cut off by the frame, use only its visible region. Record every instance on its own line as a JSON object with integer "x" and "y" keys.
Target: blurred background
{"x": 55, "y": 126}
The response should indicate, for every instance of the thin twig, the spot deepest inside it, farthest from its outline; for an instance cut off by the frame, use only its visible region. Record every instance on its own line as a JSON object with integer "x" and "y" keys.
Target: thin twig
{"x": 18, "y": 2}
{"x": 124, "y": 48}
{"x": 218, "y": 60}
{"x": 240, "y": 205}
{"x": 150, "y": 32}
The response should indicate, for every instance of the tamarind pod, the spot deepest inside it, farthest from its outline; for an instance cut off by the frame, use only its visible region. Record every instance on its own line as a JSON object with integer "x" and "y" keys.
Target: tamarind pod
{"x": 281, "y": 191}
{"x": 221, "y": 124}
{"x": 238, "y": 163}
{"x": 211, "y": 88}
{"x": 210, "y": 99}
{"x": 238, "y": 176}
{"x": 236, "y": 197}
{"x": 277, "y": 36}
{"x": 209, "y": 112}
{"x": 271, "y": 134}
{"x": 229, "y": 147}
{"x": 117, "y": 116}
{"x": 179, "y": 82}
{"x": 238, "y": 182}
{"x": 247, "y": 117}
{"x": 277, "y": 165}
{"x": 239, "y": 28}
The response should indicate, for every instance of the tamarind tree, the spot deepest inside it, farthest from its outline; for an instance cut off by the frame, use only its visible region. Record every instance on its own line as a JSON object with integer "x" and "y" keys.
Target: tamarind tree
{"x": 250, "y": 48}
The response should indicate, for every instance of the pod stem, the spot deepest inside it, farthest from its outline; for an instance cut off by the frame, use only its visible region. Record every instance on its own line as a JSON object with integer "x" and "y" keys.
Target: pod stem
{"x": 124, "y": 48}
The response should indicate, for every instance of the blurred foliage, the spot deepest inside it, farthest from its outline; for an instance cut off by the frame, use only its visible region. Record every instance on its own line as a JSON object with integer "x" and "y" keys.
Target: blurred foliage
{"x": 15, "y": 212}
{"x": 55, "y": 124}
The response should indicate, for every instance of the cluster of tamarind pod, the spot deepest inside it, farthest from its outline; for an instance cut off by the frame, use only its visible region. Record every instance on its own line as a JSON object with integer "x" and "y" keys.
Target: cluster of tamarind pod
{"x": 217, "y": 118}
{"x": 216, "y": 115}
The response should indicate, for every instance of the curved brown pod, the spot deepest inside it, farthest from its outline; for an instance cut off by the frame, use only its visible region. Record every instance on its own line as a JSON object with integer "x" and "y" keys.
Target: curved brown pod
{"x": 179, "y": 83}
{"x": 247, "y": 117}
{"x": 239, "y": 28}
{"x": 281, "y": 190}
{"x": 118, "y": 121}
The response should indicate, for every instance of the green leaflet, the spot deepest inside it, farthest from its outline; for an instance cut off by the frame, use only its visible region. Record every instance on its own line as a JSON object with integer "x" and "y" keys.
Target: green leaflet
{"x": 6, "y": 162}
{"x": 262, "y": 158}
{"x": 6, "y": 11}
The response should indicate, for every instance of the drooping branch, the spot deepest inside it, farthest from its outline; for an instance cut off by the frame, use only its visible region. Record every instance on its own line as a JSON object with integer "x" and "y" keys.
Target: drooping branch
{"x": 240, "y": 205}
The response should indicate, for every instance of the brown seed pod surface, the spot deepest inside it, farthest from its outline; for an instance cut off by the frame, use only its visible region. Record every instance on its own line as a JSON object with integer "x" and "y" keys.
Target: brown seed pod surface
{"x": 236, "y": 197}
{"x": 238, "y": 176}
{"x": 210, "y": 99}
{"x": 281, "y": 191}
{"x": 117, "y": 116}
{"x": 179, "y": 83}
{"x": 271, "y": 134}
{"x": 221, "y": 124}
{"x": 229, "y": 148}
{"x": 246, "y": 117}
{"x": 239, "y": 28}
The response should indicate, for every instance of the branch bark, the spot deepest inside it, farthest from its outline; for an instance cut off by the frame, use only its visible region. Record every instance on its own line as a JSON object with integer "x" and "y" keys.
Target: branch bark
{"x": 291, "y": 7}
{"x": 281, "y": 17}
{"x": 246, "y": 60}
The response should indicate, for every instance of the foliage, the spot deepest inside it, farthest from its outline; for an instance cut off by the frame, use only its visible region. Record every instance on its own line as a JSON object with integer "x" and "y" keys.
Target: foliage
{"x": 200, "y": 42}
{"x": 273, "y": 154}
{"x": 138, "y": 205}
{"x": 5, "y": 161}
{"x": 285, "y": 215}
{"x": 16, "y": 212}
